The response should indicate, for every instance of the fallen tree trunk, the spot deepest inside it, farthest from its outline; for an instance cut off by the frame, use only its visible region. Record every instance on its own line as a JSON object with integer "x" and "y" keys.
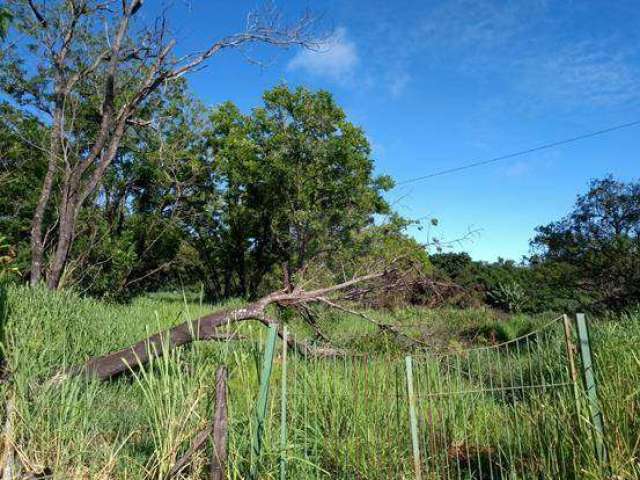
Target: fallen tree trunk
{"x": 121, "y": 361}
{"x": 206, "y": 328}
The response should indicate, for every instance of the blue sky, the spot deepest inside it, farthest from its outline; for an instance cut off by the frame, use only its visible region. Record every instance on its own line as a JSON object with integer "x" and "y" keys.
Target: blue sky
{"x": 440, "y": 84}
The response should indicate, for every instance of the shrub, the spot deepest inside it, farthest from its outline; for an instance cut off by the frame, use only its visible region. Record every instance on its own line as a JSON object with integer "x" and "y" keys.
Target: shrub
{"x": 510, "y": 297}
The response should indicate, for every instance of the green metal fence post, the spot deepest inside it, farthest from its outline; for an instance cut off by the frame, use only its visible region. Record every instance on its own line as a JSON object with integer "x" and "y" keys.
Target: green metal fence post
{"x": 263, "y": 395}
{"x": 283, "y": 409}
{"x": 571, "y": 361}
{"x": 591, "y": 388}
{"x": 413, "y": 419}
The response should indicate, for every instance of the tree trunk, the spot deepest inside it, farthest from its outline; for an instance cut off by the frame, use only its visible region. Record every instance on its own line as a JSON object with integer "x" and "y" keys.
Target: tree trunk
{"x": 66, "y": 228}
{"x": 75, "y": 193}
{"x": 203, "y": 328}
{"x": 37, "y": 241}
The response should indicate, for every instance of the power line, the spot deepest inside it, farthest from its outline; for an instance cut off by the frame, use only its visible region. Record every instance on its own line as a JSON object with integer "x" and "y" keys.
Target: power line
{"x": 520, "y": 153}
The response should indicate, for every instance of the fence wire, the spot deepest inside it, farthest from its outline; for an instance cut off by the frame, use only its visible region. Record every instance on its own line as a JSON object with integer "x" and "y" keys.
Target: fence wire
{"x": 501, "y": 412}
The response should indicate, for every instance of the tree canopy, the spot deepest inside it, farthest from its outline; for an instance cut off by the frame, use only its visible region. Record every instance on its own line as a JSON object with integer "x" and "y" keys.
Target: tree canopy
{"x": 95, "y": 72}
{"x": 229, "y": 199}
{"x": 600, "y": 240}
{"x": 296, "y": 180}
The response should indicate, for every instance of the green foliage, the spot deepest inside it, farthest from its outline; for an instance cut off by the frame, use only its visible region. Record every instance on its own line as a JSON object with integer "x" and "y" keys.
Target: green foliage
{"x": 5, "y": 21}
{"x": 511, "y": 297}
{"x": 296, "y": 182}
{"x": 505, "y": 330}
{"x": 503, "y": 284}
{"x": 21, "y": 167}
{"x": 599, "y": 240}
{"x": 223, "y": 197}
{"x": 454, "y": 265}
{"x": 137, "y": 427}
{"x": 389, "y": 242}
{"x": 7, "y": 258}
{"x": 588, "y": 260}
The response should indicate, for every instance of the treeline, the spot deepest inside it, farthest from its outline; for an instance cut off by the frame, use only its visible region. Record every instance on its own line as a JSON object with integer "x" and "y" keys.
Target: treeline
{"x": 235, "y": 202}
{"x": 116, "y": 180}
{"x": 215, "y": 197}
{"x": 590, "y": 259}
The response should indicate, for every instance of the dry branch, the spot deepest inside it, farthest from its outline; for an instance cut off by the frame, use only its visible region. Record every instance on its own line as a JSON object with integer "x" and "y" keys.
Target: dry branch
{"x": 382, "y": 326}
{"x": 198, "y": 442}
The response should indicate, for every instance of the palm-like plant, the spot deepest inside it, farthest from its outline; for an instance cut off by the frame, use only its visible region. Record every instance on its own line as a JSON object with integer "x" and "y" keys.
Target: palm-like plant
{"x": 509, "y": 296}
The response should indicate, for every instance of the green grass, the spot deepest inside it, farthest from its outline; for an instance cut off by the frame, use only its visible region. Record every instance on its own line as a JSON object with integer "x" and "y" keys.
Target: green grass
{"x": 347, "y": 416}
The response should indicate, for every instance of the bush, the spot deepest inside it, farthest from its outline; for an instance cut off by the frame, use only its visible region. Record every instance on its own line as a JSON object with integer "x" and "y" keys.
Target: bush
{"x": 509, "y": 297}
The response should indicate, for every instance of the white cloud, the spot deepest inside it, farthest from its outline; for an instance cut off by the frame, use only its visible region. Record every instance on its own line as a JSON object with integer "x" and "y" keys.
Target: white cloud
{"x": 336, "y": 60}
{"x": 527, "y": 44}
{"x": 586, "y": 73}
{"x": 537, "y": 53}
{"x": 474, "y": 25}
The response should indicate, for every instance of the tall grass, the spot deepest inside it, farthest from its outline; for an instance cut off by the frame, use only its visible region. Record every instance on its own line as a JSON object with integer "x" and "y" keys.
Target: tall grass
{"x": 347, "y": 417}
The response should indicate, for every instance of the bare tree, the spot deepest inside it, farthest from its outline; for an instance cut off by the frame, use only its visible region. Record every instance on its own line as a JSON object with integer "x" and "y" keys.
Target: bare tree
{"x": 89, "y": 49}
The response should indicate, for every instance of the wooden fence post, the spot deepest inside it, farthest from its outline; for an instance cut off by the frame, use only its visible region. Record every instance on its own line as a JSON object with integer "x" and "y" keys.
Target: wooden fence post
{"x": 215, "y": 430}
{"x": 413, "y": 420}
{"x": 591, "y": 388}
{"x": 263, "y": 396}
{"x": 283, "y": 409}
{"x": 218, "y": 468}
{"x": 8, "y": 456}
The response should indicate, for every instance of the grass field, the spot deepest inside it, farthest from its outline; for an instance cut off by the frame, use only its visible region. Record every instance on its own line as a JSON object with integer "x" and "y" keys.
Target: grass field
{"x": 347, "y": 417}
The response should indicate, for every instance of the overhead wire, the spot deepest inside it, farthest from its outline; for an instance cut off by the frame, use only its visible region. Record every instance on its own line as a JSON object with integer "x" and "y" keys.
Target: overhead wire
{"x": 538, "y": 148}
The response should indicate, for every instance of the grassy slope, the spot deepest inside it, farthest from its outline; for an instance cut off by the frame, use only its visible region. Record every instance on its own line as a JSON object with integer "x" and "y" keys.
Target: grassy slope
{"x": 347, "y": 413}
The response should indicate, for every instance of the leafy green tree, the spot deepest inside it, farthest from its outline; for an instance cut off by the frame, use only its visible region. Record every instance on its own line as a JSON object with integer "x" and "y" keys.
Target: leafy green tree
{"x": 132, "y": 234}
{"x": 600, "y": 240}
{"x": 453, "y": 264}
{"x": 94, "y": 70}
{"x": 297, "y": 182}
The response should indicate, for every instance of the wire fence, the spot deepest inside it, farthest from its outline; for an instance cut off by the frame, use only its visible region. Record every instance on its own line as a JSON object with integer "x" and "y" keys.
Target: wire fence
{"x": 509, "y": 411}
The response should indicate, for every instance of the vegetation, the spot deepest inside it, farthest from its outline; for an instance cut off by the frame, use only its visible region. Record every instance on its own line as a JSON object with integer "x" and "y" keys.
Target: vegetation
{"x": 216, "y": 195}
{"x": 588, "y": 260}
{"x": 137, "y": 427}
{"x": 118, "y": 187}
{"x": 154, "y": 190}
{"x": 600, "y": 242}
{"x": 94, "y": 92}
{"x": 7, "y": 257}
